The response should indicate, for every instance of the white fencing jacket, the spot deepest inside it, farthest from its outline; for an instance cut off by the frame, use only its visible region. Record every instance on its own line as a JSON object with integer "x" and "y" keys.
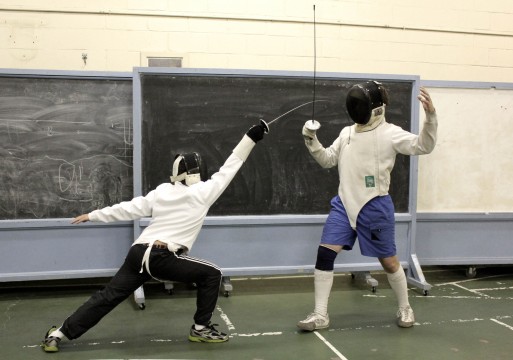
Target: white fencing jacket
{"x": 365, "y": 156}
{"x": 177, "y": 210}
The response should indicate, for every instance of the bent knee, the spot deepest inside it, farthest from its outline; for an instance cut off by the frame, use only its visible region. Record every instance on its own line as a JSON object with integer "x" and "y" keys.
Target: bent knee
{"x": 325, "y": 258}
{"x": 390, "y": 265}
{"x": 214, "y": 274}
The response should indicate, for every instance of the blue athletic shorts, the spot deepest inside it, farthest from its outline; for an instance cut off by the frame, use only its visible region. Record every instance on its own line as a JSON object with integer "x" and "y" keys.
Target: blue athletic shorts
{"x": 375, "y": 227}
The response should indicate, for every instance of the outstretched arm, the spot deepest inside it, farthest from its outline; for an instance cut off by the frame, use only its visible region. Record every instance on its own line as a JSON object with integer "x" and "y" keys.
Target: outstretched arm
{"x": 127, "y": 210}
{"x": 207, "y": 192}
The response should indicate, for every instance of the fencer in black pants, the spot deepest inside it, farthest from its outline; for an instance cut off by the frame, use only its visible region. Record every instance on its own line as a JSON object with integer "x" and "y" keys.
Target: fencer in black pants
{"x": 178, "y": 210}
{"x": 164, "y": 265}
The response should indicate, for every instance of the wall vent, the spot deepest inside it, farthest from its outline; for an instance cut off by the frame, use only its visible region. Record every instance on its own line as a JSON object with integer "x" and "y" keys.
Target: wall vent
{"x": 165, "y": 62}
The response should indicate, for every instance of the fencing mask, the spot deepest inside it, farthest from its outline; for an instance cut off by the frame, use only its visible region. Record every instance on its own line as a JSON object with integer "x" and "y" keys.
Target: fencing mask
{"x": 188, "y": 167}
{"x": 365, "y": 98}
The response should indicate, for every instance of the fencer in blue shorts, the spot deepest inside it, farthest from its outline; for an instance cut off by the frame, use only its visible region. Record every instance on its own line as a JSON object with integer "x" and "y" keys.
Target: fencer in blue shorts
{"x": 363, "y": 210}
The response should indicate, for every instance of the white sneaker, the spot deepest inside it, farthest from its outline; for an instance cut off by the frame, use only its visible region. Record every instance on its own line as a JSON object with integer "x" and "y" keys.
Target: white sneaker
{"x": 405, "y": 317}
{"x": 314, "y": 321}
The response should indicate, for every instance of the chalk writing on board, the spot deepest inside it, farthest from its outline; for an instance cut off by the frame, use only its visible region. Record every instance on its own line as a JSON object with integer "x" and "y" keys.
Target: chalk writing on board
{"x": 65, "y": 146}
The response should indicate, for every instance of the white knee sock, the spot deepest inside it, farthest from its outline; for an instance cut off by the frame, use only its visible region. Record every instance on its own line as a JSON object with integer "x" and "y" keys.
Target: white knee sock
{"x": 323, "y": 280}
{"x": 397, "y": 281}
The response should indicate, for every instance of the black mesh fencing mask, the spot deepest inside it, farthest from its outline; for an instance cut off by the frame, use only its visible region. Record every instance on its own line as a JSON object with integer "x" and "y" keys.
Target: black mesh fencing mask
{"x": 362, "y": 99}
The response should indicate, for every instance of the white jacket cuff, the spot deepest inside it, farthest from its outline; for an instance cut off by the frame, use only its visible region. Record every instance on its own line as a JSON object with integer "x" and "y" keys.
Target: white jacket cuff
{"x": 313, "y": 145}
{"x": 92, "y": 216}
{"x": 244, "y": 147}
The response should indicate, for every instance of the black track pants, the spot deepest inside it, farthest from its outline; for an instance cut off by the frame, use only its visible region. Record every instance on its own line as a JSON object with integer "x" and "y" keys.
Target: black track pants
{"x": 164, "y": 265}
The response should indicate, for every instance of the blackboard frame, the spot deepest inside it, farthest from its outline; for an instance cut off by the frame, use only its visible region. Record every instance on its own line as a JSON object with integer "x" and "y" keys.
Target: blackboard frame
{"x": 53, "y": 248}
{"x": 275, "y": 226}
{"x": 477, "y": 237}
{"x": 207, "y": 112}
{"x": 74, "y": 109}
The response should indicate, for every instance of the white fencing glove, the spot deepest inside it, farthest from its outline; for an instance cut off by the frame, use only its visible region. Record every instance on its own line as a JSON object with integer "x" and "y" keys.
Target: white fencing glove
{"x": 309, "y": 129}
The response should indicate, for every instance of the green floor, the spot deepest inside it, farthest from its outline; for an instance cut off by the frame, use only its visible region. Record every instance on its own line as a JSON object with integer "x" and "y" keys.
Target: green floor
{"x": 461, "y": 318}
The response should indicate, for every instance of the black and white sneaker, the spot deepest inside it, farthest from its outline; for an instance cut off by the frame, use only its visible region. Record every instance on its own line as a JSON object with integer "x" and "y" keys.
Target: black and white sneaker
{"x": 51, "y": 343}
{"x": 208, "y": 334}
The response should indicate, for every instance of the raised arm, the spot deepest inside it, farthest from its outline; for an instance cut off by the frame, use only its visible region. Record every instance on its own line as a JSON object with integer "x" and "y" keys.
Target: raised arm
{"x": 410, "y": 144}
{"x": 209, "y": 191}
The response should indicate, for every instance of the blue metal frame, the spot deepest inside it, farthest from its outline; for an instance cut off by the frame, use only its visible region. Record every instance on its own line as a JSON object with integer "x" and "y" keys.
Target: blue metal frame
{"x": 476, "y": 238}
{"x": 282, "y": 224}
{"x": 36, "y": 249}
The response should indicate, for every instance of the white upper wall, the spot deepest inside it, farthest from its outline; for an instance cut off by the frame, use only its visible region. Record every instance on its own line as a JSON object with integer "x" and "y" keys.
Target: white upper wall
{"x": 466, "y": 40}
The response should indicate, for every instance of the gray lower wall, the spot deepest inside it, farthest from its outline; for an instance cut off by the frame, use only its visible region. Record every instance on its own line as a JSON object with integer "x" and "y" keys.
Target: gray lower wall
{"x": 55, "y": 249}
{"x": 40, "y": 250}
{"x": 464, "y": 238}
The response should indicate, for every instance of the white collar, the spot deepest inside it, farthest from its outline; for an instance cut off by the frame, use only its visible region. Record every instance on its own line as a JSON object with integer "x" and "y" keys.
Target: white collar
{"x": 377, "y": 117}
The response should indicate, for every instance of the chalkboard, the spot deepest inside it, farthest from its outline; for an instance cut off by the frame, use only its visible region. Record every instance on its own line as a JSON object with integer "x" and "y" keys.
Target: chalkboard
{"x": 65, "y": 145}
{"x": 210, "y": 113}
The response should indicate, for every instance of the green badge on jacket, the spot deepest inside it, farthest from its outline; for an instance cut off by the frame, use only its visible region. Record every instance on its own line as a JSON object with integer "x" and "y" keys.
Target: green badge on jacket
{"x": 369, "y": 181}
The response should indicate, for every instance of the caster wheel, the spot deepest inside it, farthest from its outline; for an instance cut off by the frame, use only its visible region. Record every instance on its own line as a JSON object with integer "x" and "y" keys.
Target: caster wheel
{"x": 141, "y": 306}
{"x": 170, "y": 292}
{"x": 226, "y": 294}
{"x": 426, "y": 292}
{"x": 373, "y": 289}
{"x": 471, "y": 272}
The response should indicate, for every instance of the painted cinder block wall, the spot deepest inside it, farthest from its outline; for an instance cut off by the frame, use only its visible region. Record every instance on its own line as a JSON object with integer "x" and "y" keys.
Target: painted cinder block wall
{"x": 457, "y": 40}
{"x": 437, "y": 40}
